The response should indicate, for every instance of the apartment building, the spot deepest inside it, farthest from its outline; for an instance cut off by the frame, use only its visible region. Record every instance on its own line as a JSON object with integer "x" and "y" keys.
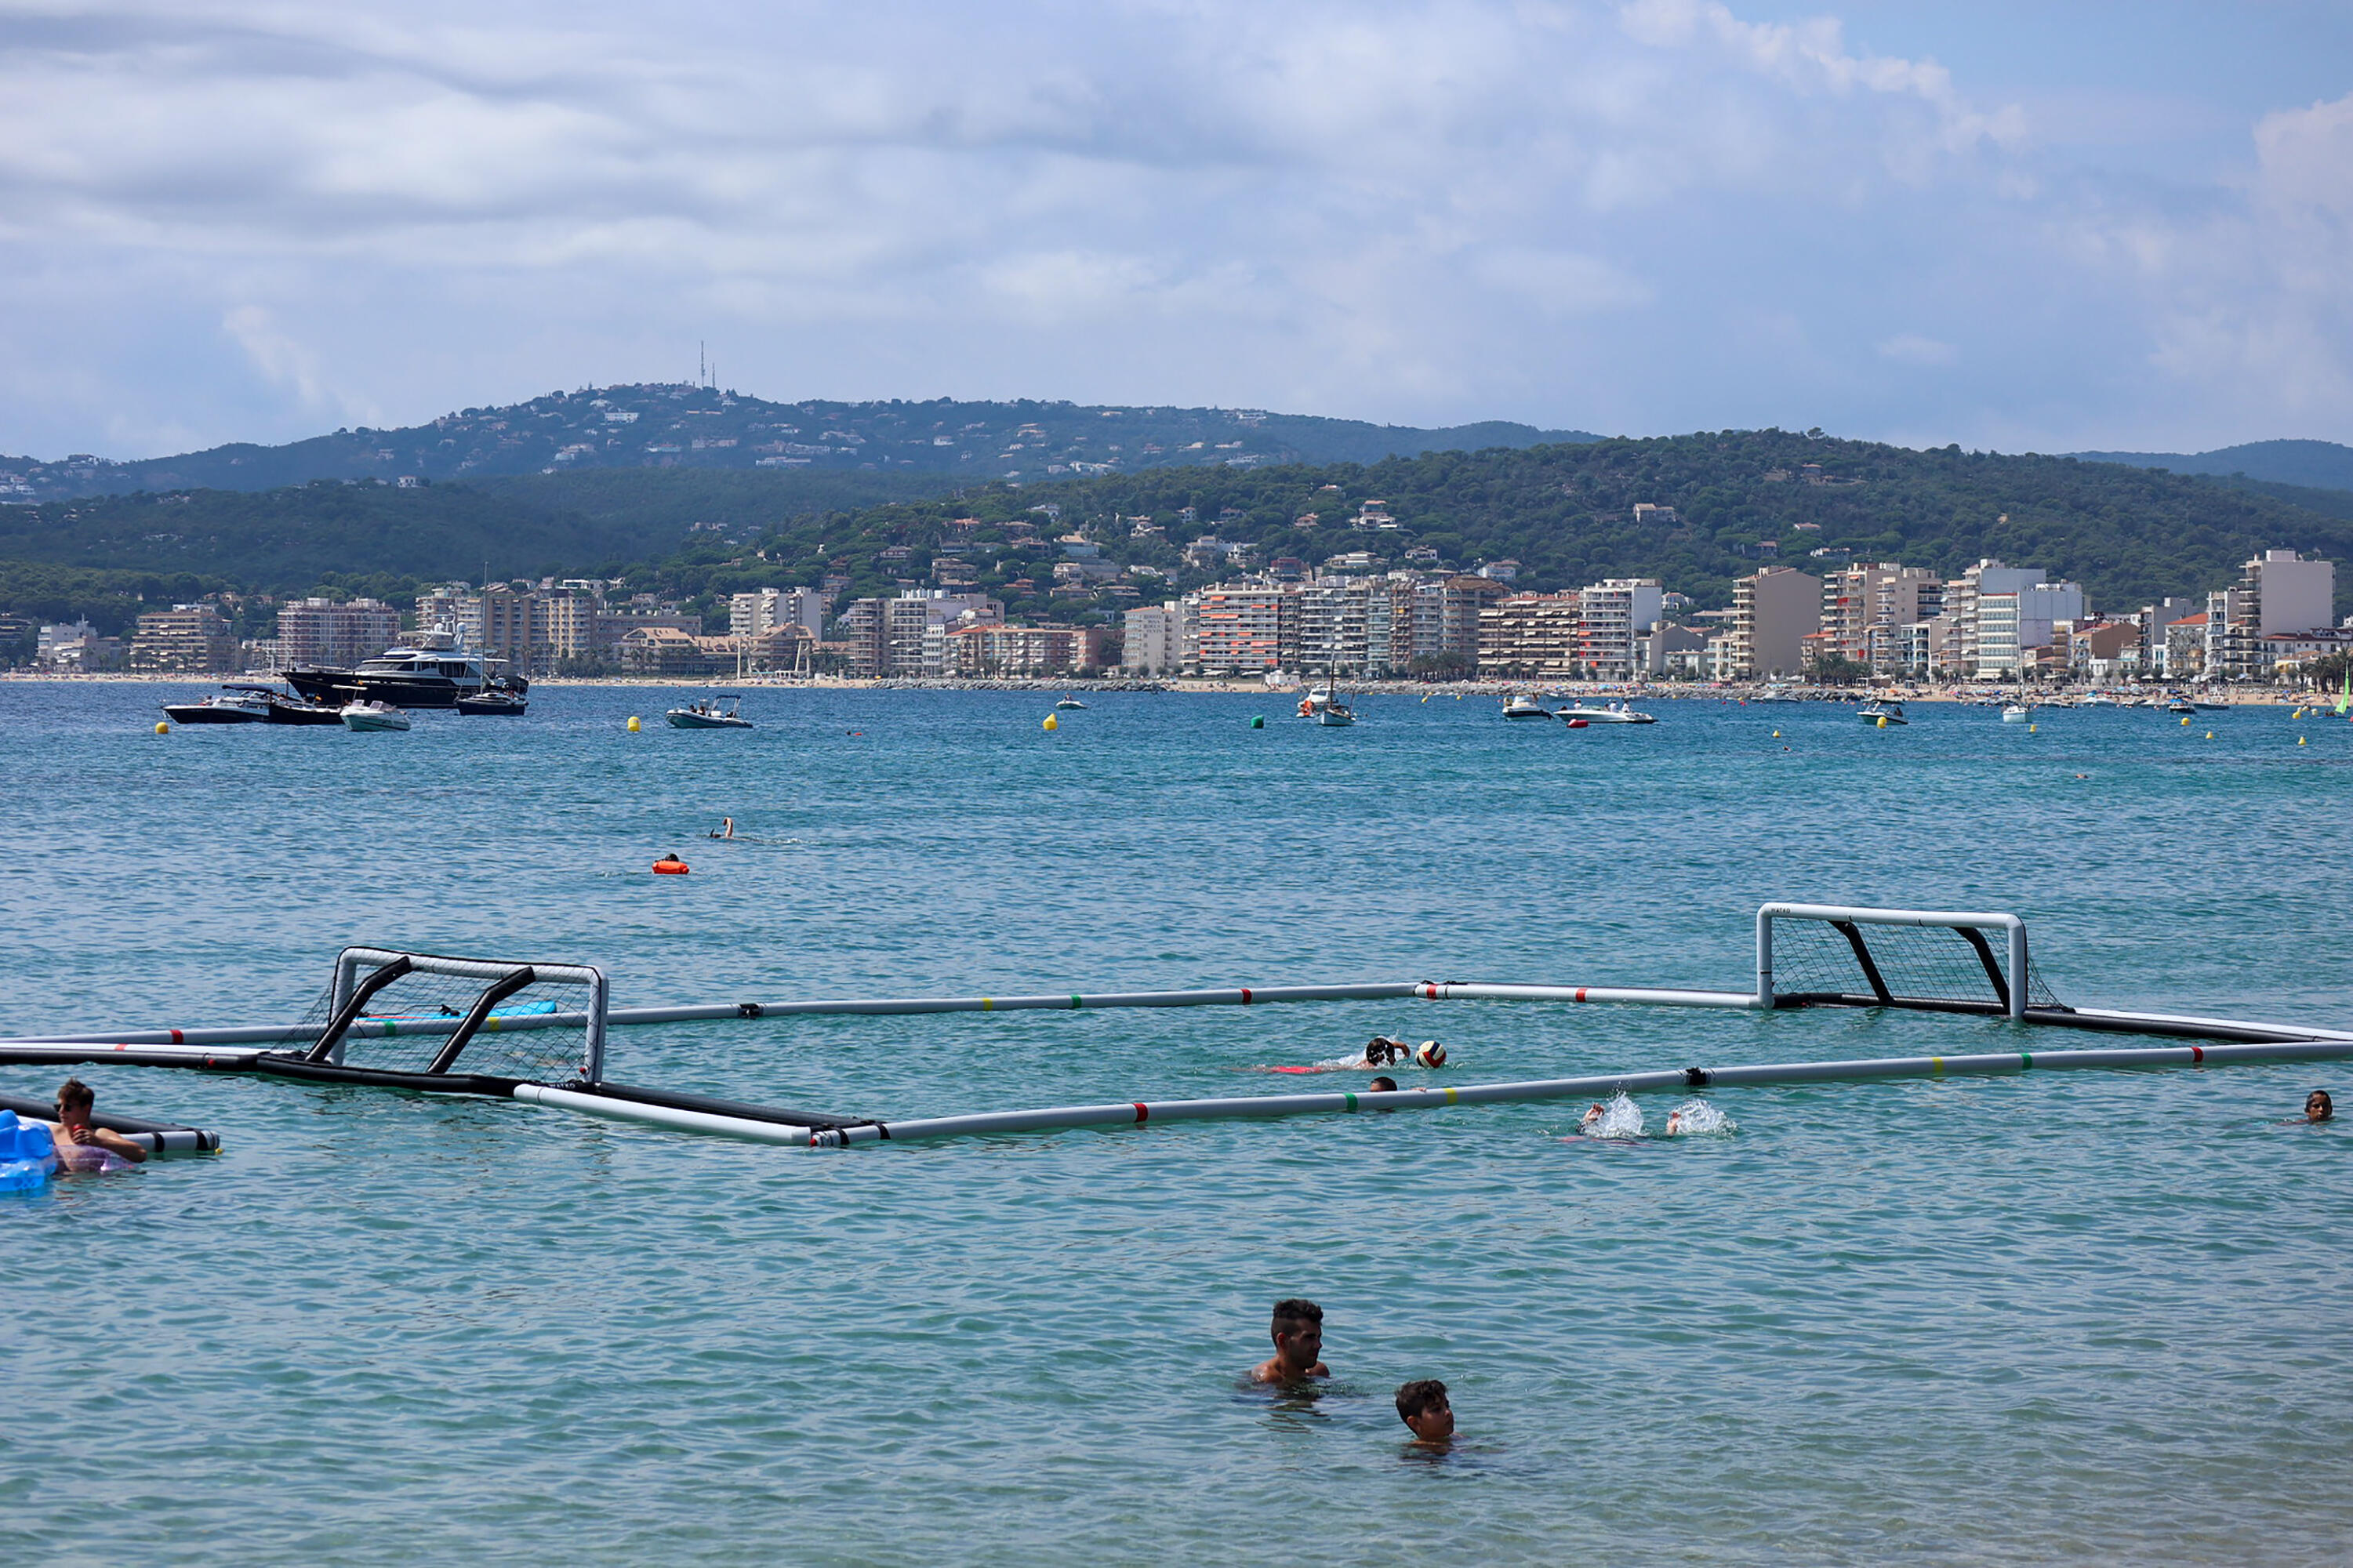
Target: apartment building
{"x": 991, "y": 648}
{"x": 1530, "y": 636}
{"x": 1155, "y": 639}
{"x": 766, "y": 609}
{"x": 322, "y": 631}
{"x": 2279, "y": 593}
{"x": 1613, "y": 618}
{"x": 888, "y": 636}
{"x": 2013, "y": 624}
{"x": 1863, "y": 606}
{"x": 1773, "y": 612}
{"x": 1239, "y": 627}
{"x": 190, "y": 638}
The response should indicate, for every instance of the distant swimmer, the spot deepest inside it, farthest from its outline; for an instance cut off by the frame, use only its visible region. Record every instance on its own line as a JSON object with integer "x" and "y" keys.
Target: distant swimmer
{"x": 82, "y": 1147}
{"x": 1422, "y": 1405}
{"x": 726, "y": 828}
{"x": 2317, "y": 1108}
{"x": 1298, "y": 1333}
{"x": 1383, "y": 1086}
{"x": 1380, "y": 1051}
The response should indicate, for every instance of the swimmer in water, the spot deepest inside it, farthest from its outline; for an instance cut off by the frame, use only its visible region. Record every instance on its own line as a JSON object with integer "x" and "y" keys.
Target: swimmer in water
{"x": 1383, "y": 1085}
{"x": 1422, "y": 1405}
{"x": 1593, "y": 1116}
{"x": 1298, "y": 1333}
{"x": 1380, "y": 1051}
{"x": 80, "y": 1146}
{"x": 726, "y": 828}
{"x": 2317, "y": 1108}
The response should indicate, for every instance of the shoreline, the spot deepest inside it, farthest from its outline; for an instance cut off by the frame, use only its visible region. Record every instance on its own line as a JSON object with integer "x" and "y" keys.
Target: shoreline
{"x": 1962, "y": 693}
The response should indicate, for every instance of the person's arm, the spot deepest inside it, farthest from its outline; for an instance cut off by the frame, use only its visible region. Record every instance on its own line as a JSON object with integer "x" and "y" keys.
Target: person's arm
{"x": 112, "y": 1143}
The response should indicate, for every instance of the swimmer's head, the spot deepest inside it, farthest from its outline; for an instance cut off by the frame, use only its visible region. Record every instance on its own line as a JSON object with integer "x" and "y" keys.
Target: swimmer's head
{"x": 1430, "y": 1053}
{"x": 1422, "y": 1405}
{"x": 2319, "y": 1107}
{"x": 1594, "y": 1113}
{"x": 74, "y": 1099}
{"x": 1383, "y": 1086}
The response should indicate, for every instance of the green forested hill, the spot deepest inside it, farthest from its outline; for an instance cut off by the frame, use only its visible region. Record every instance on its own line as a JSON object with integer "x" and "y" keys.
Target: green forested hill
{"x": 699, "y": 429}
{"x": 1566, "y": 512}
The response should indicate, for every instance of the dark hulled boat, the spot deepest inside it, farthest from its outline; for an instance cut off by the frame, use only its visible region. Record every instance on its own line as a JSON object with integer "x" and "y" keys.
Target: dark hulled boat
{"x": 432, "y": 671}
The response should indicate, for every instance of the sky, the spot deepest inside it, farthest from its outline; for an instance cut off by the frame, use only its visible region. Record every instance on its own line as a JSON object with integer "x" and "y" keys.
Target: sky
{"x": 2020, "y": 226}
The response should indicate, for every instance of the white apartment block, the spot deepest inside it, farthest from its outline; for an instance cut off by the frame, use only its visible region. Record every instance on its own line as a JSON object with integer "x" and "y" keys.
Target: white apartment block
{"x": 766, "y": 609}
{"x": 1614, "y": 615}
{"x": 1154, "y": 641}
{"x": 2279, "y": 593}
{"x": 2010, "y": 624}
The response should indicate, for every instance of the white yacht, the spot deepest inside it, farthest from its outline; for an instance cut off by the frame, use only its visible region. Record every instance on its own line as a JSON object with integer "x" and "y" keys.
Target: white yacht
{"x": 432, "y": 670}
{"x": 1608, "y": 713}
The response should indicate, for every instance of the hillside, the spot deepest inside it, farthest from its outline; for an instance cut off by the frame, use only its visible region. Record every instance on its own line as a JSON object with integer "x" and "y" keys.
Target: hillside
{"x": 1565, "y": 512}
{"x": 704, "y": 429}
{"x": 2318, "y": 465}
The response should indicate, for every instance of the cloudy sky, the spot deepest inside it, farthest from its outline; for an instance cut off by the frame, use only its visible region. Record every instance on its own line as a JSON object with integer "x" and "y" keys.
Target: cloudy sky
{"x": 2023, "y": 226}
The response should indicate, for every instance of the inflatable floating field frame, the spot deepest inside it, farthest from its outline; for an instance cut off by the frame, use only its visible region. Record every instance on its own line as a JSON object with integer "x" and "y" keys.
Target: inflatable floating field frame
{"x": 537, "y": 1032}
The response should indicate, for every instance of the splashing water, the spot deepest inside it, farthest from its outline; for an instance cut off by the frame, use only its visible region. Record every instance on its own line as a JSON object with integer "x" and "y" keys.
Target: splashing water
{"x": 1621, "y": 1117}
{"x": 1697, "y": 1118}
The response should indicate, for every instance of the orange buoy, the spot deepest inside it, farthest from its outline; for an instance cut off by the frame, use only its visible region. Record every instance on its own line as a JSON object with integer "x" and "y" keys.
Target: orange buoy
{"x": 670, "y": 866}
{"x": 1579, "y": 724}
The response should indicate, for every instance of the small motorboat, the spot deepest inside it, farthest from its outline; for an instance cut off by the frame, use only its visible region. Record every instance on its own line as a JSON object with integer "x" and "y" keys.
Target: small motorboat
{"x": 1884, "y": 715}
{"x": 1070, "y": 703}
{"x": 494, "y": 702}
{"x": 373, "y": 715}
{"x": 1525, "y": 707}
{"x": 711, "y": 713}
{"x": 2017, "y": 713}
{"x": 232, "y": 705}
{"x": 285, "y": 710}
{"x": 1609, "y": 713}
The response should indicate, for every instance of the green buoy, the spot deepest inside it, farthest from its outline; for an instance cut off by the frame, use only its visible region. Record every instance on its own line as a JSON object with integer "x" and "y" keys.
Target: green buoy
{"x": 1258, "y": 720}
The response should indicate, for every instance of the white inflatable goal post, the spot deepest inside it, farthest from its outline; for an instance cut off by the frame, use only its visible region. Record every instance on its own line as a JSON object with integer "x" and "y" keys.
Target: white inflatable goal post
{"x": 430, "y": 1016}
{"x": 1934, "y": 960}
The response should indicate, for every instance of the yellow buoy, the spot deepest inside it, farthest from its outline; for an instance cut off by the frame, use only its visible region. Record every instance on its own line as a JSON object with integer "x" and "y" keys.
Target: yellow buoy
{"x": 2299, "y": 740}
{"x": 164, "y": 729}
{"x": 2209, "y": 734}
{"x": 1052, "y": 722}
{"x": 1776, "y": 734}
{"x": 634, "y": 725}
{"x": 2030, "y": 728}
{"x": 2185, "y": 721}
{"x": 1883, "y": 723}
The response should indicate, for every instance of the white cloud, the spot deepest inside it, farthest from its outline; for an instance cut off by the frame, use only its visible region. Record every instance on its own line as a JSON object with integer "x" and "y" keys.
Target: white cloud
{"x": 1652, "y": 215}
{"x": 1911, "y": 348}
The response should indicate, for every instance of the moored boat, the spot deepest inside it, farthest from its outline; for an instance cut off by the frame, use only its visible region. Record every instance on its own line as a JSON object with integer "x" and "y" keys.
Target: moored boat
{"x": 717, "y": 712}
{"x": 1526, "y": 706}
{"x": 2017, "y": 713}
{"x": 496, "y": 703}
{"x": 231, "y": 705}
{"x": 432, "y": 669}
{"x": 1610, "y": 713}
{"x": 1883, "y": 714}
{"x": 373, "y": 716}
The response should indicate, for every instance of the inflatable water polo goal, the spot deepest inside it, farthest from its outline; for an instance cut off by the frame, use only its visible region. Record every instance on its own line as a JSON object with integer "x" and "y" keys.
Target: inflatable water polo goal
{"x": 538, "y": 1032}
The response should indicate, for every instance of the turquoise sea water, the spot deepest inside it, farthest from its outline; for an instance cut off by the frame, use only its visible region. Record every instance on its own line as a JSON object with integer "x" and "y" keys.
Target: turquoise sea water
{"x": 2054, "y": 1316}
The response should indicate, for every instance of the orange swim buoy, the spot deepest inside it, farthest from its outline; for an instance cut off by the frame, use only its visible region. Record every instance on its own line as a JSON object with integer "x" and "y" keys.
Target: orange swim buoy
{"x": 670, "y": 866}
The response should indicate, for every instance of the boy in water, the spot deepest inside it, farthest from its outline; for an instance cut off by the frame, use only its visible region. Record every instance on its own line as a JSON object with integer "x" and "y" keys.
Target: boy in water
{"x": 1298, "y": 1333}
{"x": 80, "y": 1146}
{"x": 1422, "y": 1406}
{"x": 2319, "y": 1107}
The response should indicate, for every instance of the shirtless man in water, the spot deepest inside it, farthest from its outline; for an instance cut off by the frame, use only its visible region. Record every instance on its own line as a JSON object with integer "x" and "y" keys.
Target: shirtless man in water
{"x": 1298, "y": 1331}
{"x": 74, "y": 1134}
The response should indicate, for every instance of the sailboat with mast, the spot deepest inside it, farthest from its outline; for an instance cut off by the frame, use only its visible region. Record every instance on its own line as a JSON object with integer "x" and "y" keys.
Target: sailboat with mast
{"x": 1333, "y": 711}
